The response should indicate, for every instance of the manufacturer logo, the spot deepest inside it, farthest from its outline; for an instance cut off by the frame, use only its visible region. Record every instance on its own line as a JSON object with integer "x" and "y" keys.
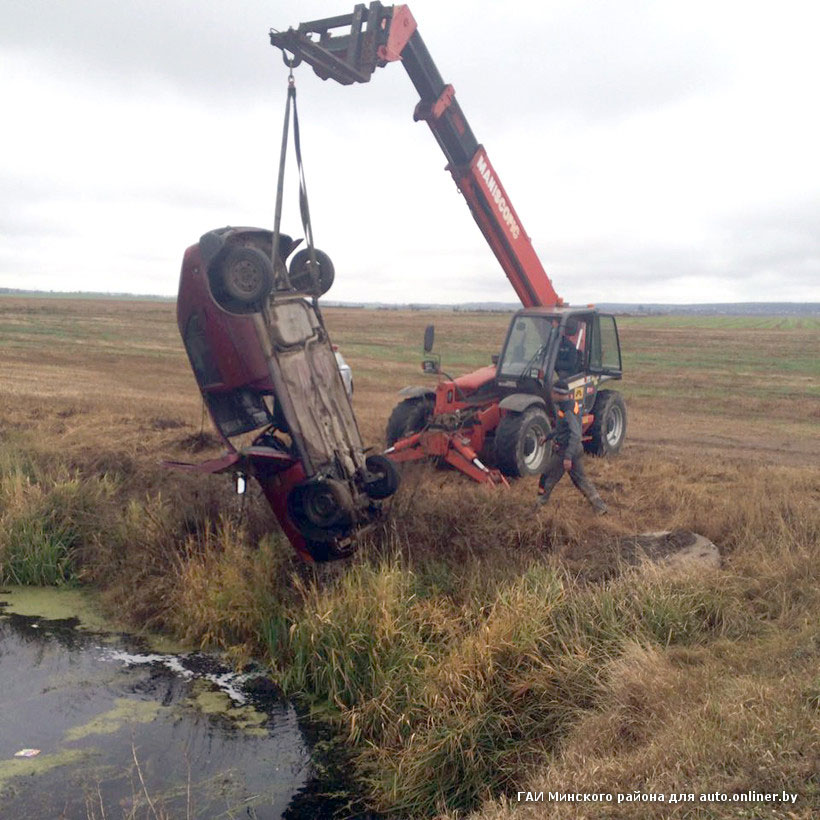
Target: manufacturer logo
{"x": 497, "y": 196}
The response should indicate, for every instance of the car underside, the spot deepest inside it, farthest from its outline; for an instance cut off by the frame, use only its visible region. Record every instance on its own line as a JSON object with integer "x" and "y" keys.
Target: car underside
{"x": 270, "y": 379}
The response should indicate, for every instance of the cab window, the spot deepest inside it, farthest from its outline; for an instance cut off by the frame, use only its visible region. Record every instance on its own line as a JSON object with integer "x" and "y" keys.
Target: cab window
{"x": 605, "y": 351}
{"x": 525, "y": 345}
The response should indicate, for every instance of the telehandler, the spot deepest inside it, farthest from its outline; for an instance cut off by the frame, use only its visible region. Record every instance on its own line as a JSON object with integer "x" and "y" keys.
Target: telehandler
{"x": 502, "y": 411}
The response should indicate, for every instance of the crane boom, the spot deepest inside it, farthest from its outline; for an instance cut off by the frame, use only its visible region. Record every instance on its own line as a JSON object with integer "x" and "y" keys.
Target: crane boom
{"x": 375, "y": 35}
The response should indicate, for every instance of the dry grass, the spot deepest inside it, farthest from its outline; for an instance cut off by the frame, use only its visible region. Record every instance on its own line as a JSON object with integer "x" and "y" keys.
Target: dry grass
{"x": 479, "y": 662}
{"x": 473, "y": 639}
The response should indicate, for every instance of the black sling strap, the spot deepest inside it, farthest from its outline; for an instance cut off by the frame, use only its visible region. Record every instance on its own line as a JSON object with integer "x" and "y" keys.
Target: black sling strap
{"x": 304, "y": 209}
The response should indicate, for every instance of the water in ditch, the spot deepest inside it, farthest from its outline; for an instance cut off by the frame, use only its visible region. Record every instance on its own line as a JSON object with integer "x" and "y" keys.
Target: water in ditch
{"x": 96, "y": 723}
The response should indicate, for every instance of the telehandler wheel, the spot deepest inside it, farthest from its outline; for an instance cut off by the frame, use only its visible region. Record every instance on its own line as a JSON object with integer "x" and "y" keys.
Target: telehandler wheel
{"x": 408, "y": 417}
{"x": 241, "y": 278}
{"x": 608, "y": 430}
{"x": 300, "y": 274}
{"x": 520, "y": 442}
{"x": 384, "y": 477}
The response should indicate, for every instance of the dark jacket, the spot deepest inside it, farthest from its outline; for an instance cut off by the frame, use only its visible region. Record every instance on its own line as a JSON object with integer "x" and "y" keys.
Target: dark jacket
{"x": 567, "y": 363}
{"x": 568, "y": 429}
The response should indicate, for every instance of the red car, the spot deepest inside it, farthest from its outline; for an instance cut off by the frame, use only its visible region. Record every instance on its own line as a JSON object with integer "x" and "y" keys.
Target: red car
{"x": 269, "y": 377}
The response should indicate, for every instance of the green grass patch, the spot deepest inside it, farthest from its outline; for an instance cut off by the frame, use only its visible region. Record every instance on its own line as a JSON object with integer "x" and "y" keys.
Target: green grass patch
{"x": 717, "y": 360}
{"x": 43, "y": 520}
{"x": 723, "y": 322}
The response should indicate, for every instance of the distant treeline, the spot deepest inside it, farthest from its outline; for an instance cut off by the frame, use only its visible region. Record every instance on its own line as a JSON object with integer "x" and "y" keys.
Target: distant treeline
{"x": 86, "y": 294}
{"x": 633, "y": 308}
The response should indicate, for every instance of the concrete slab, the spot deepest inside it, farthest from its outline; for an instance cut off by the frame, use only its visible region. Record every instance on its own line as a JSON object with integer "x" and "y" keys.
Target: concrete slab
{"x": 669, "y": 548}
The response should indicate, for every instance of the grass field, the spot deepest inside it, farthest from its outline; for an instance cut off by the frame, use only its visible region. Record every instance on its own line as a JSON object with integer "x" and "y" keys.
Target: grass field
{"x": 474, "y": 648}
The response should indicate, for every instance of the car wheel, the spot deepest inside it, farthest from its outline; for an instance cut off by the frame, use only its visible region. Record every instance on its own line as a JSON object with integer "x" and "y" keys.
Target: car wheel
{"x": 383, "y": 479}
{"x": 321, "y": 510}
{"x": 242, "y": 276}
{"x": 301, "y": 276}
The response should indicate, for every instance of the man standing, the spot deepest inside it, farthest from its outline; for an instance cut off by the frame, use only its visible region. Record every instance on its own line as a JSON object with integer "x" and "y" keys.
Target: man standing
{"x": 567, "y": 450}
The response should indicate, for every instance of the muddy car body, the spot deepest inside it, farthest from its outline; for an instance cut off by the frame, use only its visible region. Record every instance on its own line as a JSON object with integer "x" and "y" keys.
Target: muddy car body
{"x": 270, "y": 379}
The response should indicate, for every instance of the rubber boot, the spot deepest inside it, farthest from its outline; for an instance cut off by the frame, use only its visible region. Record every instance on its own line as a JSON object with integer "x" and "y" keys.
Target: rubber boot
{"x": 598, "y": 504}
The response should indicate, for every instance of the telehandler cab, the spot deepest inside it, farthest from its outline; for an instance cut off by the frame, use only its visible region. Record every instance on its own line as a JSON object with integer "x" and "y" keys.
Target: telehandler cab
{"x": 503, "y": 410}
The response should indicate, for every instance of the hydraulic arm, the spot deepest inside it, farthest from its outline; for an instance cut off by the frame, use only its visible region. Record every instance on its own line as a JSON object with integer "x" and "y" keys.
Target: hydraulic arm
{"x": 349, "y": 48}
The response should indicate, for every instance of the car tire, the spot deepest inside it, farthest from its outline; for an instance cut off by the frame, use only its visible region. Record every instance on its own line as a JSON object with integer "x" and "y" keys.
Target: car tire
{"x": 608, "y": 429}
{"x": 321, "y": 510}
{"x": 323, "y": 552}
{"x": 521, "y": 448}
{"x": 384, "y": 477}
{"x": 241, "y": 277}
{"x": 300, "y": 274}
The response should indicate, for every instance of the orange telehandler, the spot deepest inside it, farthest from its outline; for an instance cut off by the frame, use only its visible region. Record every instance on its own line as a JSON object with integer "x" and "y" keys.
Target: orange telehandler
{"x": 503, "y": 409}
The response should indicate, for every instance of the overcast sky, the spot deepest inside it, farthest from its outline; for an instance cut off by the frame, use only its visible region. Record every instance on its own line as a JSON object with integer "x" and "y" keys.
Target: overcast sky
{"x": 654, "y": 151}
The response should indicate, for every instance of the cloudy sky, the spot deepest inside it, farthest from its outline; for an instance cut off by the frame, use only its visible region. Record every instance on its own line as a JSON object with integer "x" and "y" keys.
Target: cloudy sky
{"x": 660, "y": 151}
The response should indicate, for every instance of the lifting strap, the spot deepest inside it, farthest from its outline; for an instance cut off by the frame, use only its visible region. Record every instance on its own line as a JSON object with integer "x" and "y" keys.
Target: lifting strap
{"x": 304, "y": 209}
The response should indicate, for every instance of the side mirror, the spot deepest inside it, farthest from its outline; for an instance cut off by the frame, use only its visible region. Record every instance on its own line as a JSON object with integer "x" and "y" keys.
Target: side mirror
{"x": 429, "y": 336}
{"x": 494, "y": 358}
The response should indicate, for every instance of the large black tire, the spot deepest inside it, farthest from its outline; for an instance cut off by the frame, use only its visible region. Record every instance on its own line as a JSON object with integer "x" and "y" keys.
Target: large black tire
{"x": 608, "y": 430}
{"x": 241, "y": 278}
{"x": 521, "y": 447}
{"x": 383, "y": 480}
{"x": 300, "y": 273}
{"x": 408, "y": 417}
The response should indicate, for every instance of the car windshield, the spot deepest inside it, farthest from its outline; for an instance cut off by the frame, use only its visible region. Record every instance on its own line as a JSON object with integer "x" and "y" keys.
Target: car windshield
{"x": 528, "y": 341}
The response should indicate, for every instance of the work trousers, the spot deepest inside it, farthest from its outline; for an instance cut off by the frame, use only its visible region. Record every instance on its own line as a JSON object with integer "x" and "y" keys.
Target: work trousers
{"x": 555, "y": 470}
